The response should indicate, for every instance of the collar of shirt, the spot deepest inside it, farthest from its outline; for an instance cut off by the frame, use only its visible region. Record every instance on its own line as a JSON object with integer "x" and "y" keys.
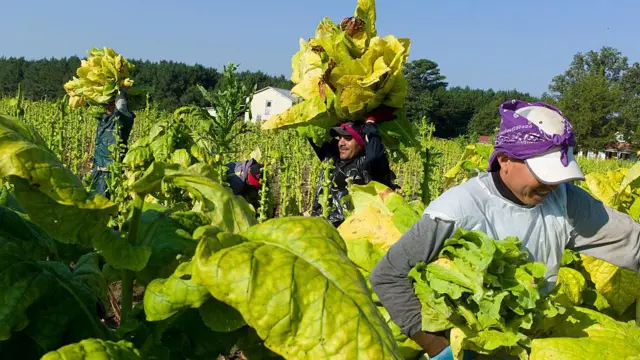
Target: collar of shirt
{"x": 504, "y": 190}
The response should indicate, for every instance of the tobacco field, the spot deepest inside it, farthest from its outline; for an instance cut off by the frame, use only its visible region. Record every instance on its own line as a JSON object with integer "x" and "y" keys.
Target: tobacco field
{"x": 175, "y": 266}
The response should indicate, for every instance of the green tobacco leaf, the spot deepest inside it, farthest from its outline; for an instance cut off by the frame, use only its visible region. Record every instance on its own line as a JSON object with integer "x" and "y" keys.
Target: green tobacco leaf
{"x": 221, "y": 317}
{"x": 41, "y": 298}
{"x": 632, "y": 175}
{"x": 225, "y": 210}
{"x": 490, "y": 340}
{"x": 16, "y": 228}
{"x": 168, "y": 240}
{"x": 619, "y": 286}
{"x": 302, "y": 263}
{"x": 181, "y": 157}
{"x": 400, "y": 129}
{"x": 95, "y": 349}
{"x": 56, "y": 200}
{"x": 138, "y": 157}
{"x": 25, "y": 156}
{"x": 87, "y": 271}
{"x": 189, "y": 220}
{"x": 572, "y": 284}
{"x": 436, "y": 311}
{"x": 313, "y": 111}
{"x": 363, "y": 252}
{"x": 165, "y": 297}
{"x": 119, "y": 253}
{"x": 589, "y": 334}
{"x": 186, "y": 336}
{"x": 604, "y": 186}
{"x": 456, "y": 272}
{"x": 371, "y": 194}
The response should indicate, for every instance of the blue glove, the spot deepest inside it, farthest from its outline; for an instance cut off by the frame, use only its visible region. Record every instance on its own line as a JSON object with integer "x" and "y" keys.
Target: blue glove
{"x": 447, "y": 354}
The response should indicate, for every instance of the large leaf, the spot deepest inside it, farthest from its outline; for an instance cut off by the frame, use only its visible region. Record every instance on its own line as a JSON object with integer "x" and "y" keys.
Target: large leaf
{"x": 589, "y": 334}
{"x": 572, "y": 284}
{"x": 95, "y": 349}
{"x": 373, "y": 227}
{"x": 294, "y": 284}
{"x": 168, "y": 240}
{"x": 308, "y": 111}
{"x": 165, "y": 297}
{"x": 225, "y": 210}
{"x": 44, "y": 301}
{"x": 15, "y": 228}
{"x": 620, "y": 286}
{"x": 632, "y": 175}
{"x": 220, "y": 317}
{"x": 56, "y": 200}
{"x": 379, "y": 219}
{"x": 87, "y": 272}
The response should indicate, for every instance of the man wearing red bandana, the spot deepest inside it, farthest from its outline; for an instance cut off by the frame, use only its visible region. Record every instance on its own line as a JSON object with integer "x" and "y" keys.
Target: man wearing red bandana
{"x": 357, "y": 154}
{"x": 244, "y": 179}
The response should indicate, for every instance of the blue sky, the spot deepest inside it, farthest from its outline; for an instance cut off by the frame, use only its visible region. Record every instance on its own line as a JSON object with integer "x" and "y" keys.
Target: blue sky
{"x": 496, "y": 44}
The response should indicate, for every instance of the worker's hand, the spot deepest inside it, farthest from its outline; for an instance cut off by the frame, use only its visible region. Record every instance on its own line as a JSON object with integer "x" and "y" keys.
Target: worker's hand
{"x": 121, "y": 102}
{"x": 381, "y": 114}
{"x": 447, "y": 354}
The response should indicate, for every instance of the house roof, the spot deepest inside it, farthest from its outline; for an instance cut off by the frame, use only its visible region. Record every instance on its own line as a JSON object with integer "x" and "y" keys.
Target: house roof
{"x": 284, "y": 92}
{"x": 619, "y": 146}
{"x": 484, "y": 139}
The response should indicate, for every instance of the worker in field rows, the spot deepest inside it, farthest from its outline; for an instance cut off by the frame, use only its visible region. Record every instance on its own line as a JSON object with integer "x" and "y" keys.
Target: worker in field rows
{"x": 358, "y": 155}
{"x": 244, "y": 179}
{"x": 117, "y": 117}
{"x": 527, "y": 192}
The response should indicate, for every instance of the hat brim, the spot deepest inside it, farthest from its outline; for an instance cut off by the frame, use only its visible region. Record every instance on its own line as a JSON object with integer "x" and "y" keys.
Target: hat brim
{"x": 338, "y": 131}
{"x": 548, "y": 168}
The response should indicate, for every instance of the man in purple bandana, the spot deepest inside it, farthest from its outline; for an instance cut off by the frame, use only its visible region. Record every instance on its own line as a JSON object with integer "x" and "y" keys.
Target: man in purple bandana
{"x": 527, "y": 193}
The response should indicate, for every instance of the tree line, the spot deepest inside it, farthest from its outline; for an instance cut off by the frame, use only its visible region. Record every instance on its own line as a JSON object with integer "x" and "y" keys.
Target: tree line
{"x": 174, "y": 84}
{"x": 599, "y": 92}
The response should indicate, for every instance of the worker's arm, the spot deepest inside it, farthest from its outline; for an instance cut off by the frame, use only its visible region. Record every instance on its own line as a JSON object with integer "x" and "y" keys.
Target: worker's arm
{"x": 328, "y": 150}
{"x": 602, "y": 232}
{"x": 375, "y": 160}
{"x": 391, "y": 283}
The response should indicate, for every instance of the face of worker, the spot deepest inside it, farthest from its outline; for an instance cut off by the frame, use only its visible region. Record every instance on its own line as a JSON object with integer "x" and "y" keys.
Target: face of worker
{"x": 521, "y": 181}
{"x": 348, "y": 147}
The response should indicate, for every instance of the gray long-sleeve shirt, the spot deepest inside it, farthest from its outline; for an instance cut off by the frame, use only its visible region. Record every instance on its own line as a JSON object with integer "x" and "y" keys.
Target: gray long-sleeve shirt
{"x": 568, "y": 218}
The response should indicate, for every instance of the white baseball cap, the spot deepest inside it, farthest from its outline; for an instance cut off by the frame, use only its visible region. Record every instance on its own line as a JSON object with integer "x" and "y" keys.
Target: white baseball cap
{"x": 548, "y": 167}
{"x": 539, "y": 134}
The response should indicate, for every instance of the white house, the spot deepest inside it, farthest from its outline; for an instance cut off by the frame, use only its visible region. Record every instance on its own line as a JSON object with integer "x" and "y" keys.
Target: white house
{"x": 270, "y": 101}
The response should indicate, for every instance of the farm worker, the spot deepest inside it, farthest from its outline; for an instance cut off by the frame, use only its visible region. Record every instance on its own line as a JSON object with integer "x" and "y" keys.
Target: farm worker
{"x": 526, "y": 192}
{"x": 357, "y": 154}
{"x": 117, "y": 116}
{"x": 244, "y": 179}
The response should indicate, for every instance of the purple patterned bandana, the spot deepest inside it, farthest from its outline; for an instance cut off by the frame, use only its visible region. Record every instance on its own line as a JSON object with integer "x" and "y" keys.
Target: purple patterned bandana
{"x": 521, "y": 139}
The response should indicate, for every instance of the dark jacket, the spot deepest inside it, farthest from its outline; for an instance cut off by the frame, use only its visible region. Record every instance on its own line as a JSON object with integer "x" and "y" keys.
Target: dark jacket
{"x": 105, "y": 137}
{"x": 372, "y": 165}
{"x": 237, "y": 174}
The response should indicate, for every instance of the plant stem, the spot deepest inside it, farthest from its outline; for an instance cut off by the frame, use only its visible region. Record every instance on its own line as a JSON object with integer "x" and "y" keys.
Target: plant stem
{"x": 127, "y": 275}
